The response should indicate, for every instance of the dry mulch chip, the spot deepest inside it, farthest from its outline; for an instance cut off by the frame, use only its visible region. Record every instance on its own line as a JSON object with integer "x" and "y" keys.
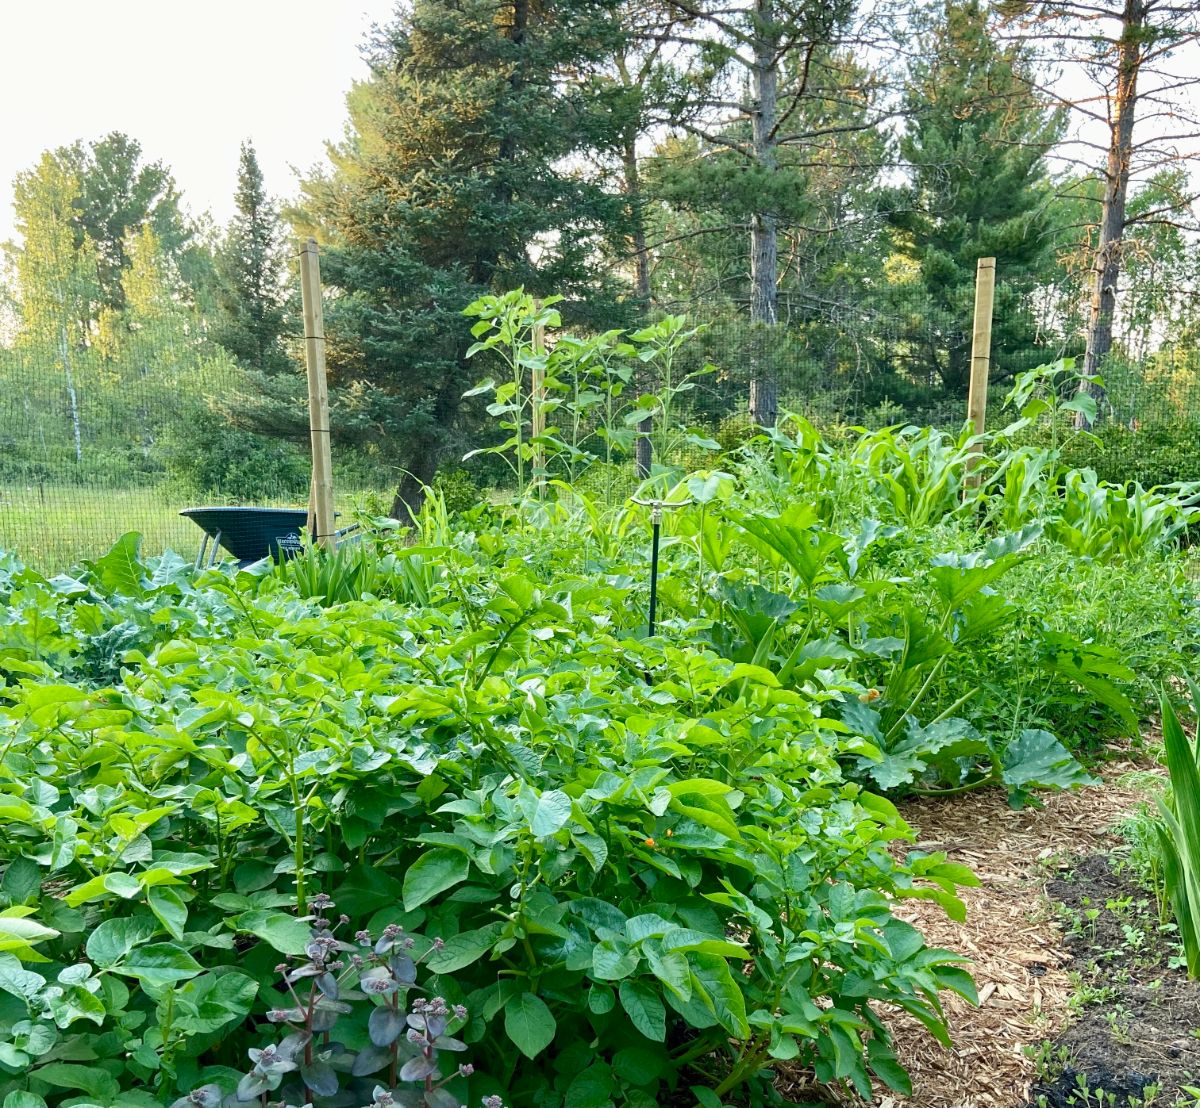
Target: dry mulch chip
{"x": 1011, "y": 936}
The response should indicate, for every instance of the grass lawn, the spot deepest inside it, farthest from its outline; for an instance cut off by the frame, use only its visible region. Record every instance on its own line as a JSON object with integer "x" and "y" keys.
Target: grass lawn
{"x": 53, "y": 527}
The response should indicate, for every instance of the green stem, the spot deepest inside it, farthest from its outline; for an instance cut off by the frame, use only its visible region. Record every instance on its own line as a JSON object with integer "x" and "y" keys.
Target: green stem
{"x": 298, "y": 809}
{"x": 912, "y": 705}
{"x": 953, "y": 707}
{"x": 990, "y": 779}
{"x": 749, "y": 1064}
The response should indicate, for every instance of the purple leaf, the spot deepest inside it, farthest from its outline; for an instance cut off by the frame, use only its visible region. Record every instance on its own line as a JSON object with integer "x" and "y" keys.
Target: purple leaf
{"x": 371, "y": 1059}
{"x": 385, "y": 1026}
{"x": 418, "y": 1068}
{"x": 320, "y": 1078}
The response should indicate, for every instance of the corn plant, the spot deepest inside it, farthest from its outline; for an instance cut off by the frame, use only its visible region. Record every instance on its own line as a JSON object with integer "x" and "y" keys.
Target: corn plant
{"x": 1179, "y": 833}
{"x": 918, "y": 473}
{"x": 1023, "y": 487}
{"x": 1102, "y": 520}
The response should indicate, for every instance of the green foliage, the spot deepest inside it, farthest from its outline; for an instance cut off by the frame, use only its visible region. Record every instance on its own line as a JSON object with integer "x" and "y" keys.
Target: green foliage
{"x": 205, "y": 455}
{"x": 1087, "y": 515}
{"x": 645, "y": 867}
{"x": 972, "y": 102}
{"x": 1154, "y": 456}
{"x": 452, "y": 184}
{"x": 580, "y": 393}
{"x": 349, "y": 572}
{"x": 1179, "y": 832}
{"x": 119, "y": 195}
{"x": 920, "y": 471}
{"x": 250, "y": 319}
{"x": 458, "y": 490}
{"x": 603, "y": 841}
{"x": 109, "y": 362}
{"x": 1125, "y": 520}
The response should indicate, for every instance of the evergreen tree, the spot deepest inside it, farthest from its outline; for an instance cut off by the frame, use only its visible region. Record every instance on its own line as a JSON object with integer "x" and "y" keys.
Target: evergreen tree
{"x": 250, "y": 264}
{"x": 766, "y": 71}
{"x": 1134, "y": 55}
{"x": 454, "y": 179}
{"x": 976, "y": 141}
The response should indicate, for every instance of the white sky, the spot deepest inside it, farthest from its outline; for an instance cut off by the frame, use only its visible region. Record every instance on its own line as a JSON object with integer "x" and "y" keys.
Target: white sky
{"x": 189, "y": 81}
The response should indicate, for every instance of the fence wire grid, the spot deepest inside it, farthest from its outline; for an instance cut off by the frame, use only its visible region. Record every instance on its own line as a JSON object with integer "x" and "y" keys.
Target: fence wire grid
{"x": 97, "y": 439}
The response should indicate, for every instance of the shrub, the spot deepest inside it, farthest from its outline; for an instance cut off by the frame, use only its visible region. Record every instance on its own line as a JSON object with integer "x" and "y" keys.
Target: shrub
{"x": 1152, "y": 455}
{"x": 458, "y": 489}
{"x": 207, "y": 456}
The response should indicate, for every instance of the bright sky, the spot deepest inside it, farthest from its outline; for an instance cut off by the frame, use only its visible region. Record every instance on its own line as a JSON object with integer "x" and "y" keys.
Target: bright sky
{"x": 188, "y": 81}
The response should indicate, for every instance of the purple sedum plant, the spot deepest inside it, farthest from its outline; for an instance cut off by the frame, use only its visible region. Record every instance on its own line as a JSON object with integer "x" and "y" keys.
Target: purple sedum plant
{"x": 308, "y": 1066}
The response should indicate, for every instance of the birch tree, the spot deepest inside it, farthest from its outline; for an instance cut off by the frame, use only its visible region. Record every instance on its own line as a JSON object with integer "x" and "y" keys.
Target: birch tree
{"x": 55, "y": 280}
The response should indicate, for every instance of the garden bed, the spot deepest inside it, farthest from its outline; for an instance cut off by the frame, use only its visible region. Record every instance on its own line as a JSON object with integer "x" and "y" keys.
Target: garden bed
{"x": 1022, "y": 956}
{"x": 1139, "y": 1015}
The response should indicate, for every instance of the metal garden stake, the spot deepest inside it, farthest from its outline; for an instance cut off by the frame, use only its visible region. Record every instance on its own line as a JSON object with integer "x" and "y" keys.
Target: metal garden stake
{"x": 656, "y": 510}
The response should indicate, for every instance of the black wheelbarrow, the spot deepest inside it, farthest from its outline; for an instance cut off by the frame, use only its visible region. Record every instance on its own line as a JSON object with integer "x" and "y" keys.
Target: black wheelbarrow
{"x": 249, "y": 534}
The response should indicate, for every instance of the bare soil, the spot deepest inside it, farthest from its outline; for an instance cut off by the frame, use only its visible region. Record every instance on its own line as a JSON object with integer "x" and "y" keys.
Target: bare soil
{"x": 1029, "y": 933}
{"x": 1136, "y": 1033}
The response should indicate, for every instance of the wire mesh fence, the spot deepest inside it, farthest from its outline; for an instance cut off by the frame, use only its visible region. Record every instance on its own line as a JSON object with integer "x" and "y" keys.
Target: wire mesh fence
{"x": 121, "y": 433}
{"x": 116, "y": 436}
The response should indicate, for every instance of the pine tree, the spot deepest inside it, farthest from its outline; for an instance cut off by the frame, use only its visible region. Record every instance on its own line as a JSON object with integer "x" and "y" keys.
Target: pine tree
{"x": 1134, "y": 55}
{"x": 250, "y": 264}
{"x": 766, "y": 72}
{"x": 454, "y": 180}
{"x": 976, "y": 141}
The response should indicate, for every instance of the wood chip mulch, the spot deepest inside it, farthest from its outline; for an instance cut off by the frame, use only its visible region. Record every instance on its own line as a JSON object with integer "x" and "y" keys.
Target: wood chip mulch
{"x": 1010, "y": 935}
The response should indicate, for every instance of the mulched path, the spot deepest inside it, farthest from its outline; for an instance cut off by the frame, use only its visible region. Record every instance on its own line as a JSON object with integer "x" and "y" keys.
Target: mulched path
{"x": 1017, "y": 940}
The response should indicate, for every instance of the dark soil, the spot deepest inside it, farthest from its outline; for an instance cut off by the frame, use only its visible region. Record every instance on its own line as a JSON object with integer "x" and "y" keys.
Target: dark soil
{"x": 1139, "y": 1016}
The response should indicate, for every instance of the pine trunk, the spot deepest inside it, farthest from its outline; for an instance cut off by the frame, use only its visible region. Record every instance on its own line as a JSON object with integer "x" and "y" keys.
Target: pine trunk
{"x": 1106, "y": 270}
{"x": 637, "y": 237}
{"x": 764, "y": 235}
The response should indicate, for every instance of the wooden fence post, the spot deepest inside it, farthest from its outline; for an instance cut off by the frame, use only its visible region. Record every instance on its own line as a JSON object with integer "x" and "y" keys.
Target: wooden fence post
{"x": 981, "y": 358}
{"x": 644, "y": 449}
{"x": 320, "y": 503}
{"x": 537, "y": 409}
